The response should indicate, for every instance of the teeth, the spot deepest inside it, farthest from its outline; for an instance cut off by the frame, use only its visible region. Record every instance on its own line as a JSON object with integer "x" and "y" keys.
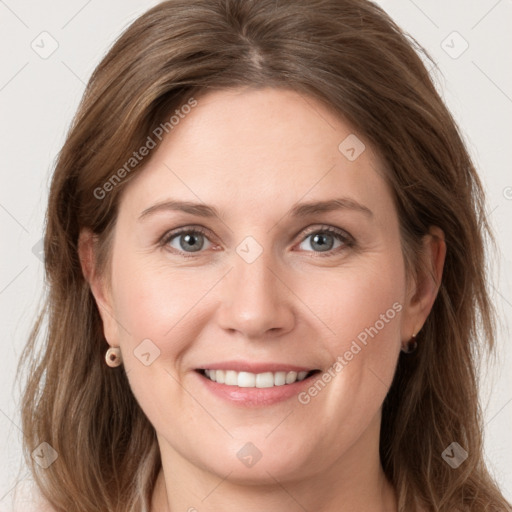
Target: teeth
{"x": 246, "y": 380}
{"x": 265, "y": 380}
{"x": 254, "y": 380}
{"x": 231, "y": 378}
{"x": 279, "y": 378}
{"x": 291, "y": 377}
{"x": 220, "y": 376}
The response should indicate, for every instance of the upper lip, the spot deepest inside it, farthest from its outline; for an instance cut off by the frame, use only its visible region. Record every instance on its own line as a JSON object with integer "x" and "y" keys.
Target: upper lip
{"x": 255, "y": 367}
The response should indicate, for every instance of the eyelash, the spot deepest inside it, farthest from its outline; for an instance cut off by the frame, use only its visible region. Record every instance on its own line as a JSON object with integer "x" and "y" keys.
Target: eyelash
{"x": 347, "y": 240}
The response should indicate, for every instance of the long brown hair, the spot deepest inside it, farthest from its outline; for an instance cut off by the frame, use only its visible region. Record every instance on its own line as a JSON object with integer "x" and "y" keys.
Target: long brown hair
{"x": 351, "y": 56}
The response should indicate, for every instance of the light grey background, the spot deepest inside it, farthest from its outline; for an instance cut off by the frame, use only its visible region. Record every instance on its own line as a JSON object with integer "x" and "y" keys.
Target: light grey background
{"x": 38, "y": 97}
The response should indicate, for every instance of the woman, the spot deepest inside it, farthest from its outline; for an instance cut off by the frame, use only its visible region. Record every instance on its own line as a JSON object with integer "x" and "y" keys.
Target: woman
{"x": 264, "y": 251}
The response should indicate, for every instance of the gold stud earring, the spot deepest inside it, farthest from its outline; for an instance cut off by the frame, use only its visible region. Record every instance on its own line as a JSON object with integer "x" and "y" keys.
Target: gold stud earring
{"x": 113, "y": 357}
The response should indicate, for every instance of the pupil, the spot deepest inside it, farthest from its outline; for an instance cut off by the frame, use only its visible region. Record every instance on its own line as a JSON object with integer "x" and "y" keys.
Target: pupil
{"x": 320, "y": 240}
{"x": 189, "y": 241}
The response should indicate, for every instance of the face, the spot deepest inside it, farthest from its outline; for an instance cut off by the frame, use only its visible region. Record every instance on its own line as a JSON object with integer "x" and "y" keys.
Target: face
{"x": 261, "y": 286}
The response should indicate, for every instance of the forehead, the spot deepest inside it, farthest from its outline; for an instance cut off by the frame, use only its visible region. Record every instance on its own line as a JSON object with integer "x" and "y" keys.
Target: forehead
{"x": 251, "y": 149}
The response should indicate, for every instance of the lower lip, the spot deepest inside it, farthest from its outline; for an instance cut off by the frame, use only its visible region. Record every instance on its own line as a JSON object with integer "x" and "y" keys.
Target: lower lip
{"x": 252, "y": 397}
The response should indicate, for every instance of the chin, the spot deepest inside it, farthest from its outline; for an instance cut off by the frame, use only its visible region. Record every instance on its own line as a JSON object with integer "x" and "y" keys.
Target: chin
{"x": 256, "y": 463}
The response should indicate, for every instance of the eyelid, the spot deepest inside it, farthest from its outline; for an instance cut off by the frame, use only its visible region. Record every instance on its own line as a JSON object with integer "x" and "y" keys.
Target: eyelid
{"x": 319, "y": 228}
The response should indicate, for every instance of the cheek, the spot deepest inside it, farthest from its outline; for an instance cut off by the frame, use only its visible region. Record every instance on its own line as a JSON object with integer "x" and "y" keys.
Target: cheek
{"x": 154, "y": 301}
{"x": 353, "y": 301}
{"x": 153, "y": 307}
{"x": 360, "y": 309}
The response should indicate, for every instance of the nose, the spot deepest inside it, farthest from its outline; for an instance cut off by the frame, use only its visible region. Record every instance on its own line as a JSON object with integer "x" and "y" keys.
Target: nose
{"x": 255, "y": 299}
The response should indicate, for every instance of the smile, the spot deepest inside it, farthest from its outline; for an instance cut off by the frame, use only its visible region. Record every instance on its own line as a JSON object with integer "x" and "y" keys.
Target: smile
{"x": 255, "y": 380}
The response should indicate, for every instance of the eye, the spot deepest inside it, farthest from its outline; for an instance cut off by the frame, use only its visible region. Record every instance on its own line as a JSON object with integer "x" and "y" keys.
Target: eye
{"x": 325, "y": 238}
{"x": 185, "y": 239}
{"x": 193, "y": 239}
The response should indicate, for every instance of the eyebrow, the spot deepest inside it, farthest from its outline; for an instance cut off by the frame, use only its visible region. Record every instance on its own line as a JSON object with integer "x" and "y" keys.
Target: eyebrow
{"x": 300, "y": 210}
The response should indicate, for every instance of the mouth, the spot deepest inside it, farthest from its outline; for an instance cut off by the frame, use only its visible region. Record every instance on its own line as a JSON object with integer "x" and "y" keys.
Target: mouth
{"x": 255, "y": 380}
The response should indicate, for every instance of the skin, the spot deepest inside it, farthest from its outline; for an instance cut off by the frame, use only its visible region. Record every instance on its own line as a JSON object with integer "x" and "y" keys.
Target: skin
{"x": 253, "y": 155}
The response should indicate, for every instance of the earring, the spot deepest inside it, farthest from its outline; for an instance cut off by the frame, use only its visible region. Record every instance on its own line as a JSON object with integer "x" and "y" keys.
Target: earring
{"x": 113, "y": 357}
{"x": 411, "y": 346}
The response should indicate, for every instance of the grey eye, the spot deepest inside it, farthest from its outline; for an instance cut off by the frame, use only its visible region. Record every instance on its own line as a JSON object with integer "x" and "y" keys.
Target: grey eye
{"x": 323, "y": 241}
{"x": 188, "y": 241}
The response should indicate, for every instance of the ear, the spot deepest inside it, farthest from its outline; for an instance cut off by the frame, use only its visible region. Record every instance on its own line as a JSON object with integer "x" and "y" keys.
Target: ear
{"x": 87, "y": 247}
{"x": 425, "y": 285}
